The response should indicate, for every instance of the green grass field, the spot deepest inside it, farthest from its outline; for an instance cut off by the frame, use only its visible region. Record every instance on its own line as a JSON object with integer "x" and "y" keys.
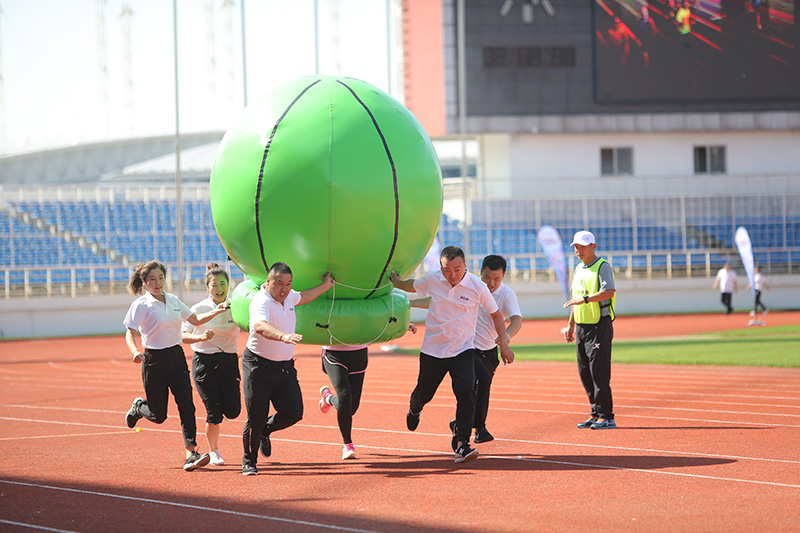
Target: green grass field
{"x": 777, "y": 346}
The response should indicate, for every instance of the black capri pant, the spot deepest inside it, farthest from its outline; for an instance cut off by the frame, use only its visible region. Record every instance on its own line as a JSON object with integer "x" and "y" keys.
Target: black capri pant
{"x": 217, "y": 378}
{"x": 164, "y": 371}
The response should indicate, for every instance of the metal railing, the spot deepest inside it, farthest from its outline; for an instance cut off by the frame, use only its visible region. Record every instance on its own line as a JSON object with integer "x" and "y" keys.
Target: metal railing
{"x": 80, "y": 281}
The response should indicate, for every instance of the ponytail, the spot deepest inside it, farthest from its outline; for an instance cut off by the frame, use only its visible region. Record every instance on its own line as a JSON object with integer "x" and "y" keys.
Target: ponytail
{"x": 136, "y": 282}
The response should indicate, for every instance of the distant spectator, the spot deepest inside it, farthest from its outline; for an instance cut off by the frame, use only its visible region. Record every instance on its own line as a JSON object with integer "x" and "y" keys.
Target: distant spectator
{"x": 728, "y": 284}
{"x": 759, "y": 284}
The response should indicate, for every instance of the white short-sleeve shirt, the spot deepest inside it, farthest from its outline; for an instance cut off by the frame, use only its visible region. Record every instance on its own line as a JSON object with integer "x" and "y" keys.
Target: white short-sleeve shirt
{"x": 452, "y": 313}
{"x": 281, "y": 317}
{"x": 727, "y": 280}
{"x": 226, "y": 332}
{"x": 158, "y": 323}
{"x": 507, "y": 303}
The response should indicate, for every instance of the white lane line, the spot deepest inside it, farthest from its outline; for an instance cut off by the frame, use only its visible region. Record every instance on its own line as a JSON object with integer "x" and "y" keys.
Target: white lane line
{"x": 34, "y": 526}
{"x": 187, "y": 506}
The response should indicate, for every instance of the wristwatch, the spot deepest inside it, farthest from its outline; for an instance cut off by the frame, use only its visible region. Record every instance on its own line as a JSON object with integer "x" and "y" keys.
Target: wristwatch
{"x": 586, "y": 298}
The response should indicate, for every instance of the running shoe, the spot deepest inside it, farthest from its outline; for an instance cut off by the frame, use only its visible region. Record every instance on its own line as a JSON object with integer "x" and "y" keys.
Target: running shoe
{"x": 249, "y": 470}
{"x": 266, "y": 445}
{"x": 588, "y": 423}
{"x": 195, "y": 460}
{"x": 412, "y": 420}
{"x": 324, "y": 400}
{"x": 216, "y": 458}
{"x": 465, "y": 453}
{"x": 348, "y": 452}
{"x": 133, "y": 415}
{"x": 604, "y": 423}
{"x": 483, "y": 435}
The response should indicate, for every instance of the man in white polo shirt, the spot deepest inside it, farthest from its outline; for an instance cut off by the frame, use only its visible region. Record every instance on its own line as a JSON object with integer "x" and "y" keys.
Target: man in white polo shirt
{"x": 455, "y": 297}
{"x": 268, "y": 362}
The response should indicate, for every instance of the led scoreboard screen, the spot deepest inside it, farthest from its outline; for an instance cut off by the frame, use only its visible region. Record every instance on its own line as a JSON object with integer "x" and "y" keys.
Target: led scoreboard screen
{"x": 696, "y": 50}
{"x": 562, "y": 57}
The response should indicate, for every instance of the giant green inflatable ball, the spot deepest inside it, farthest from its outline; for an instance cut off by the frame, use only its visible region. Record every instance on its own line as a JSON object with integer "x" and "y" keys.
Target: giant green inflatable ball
{"x": 329, "y": 173}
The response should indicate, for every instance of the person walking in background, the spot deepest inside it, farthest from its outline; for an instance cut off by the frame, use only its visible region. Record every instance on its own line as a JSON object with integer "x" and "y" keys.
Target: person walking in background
{"x": 759, "y": 284}
{"x": 448, "y": 346}
{"x": 268, "y": 362}
{"x": 591, "y": 314}
{"x": 157, "y": 316}
{"x": 215, "y": 364}
{"x": 728, "y": 284}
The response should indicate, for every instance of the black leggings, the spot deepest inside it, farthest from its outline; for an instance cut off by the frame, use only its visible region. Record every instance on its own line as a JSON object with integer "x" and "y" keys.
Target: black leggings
{"x": 346, "y": 371}
{"x": 164, "y": 371}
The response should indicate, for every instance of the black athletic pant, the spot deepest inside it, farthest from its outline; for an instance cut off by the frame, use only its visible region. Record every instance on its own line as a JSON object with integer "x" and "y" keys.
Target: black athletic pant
{"x": 268, "y": 381}
{"x": 726, "y": 301}
{"x": 594, "y": 365}
{"x": 346, "y": 372}
{"x": 486, "y": 363}
{"x": 164, "y": 371}
{"x": 758, "y": 302}
{"x": 217, "y": 378}
{"x": 462, "y": 374}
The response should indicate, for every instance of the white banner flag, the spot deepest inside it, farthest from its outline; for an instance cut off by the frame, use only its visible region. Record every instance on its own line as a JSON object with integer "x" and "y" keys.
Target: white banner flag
{"x": 742, "y": 239}
{"x": 553, "y": 248}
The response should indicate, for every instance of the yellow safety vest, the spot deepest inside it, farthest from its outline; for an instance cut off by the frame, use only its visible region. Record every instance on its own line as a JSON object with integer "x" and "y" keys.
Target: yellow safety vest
{"x": 585, "y": 283}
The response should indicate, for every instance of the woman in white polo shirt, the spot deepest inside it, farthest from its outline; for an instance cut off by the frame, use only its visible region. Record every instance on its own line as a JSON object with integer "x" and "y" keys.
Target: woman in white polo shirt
{"x": 215, "y": 365}
{"x": 157, "y": 316}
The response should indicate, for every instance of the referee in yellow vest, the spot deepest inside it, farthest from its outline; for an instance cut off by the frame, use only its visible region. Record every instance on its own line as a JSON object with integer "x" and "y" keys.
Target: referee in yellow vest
{"x": 590, "y": 321}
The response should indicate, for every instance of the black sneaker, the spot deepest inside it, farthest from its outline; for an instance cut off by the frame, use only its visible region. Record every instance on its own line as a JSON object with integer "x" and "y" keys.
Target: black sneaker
{"x": 412, "y": 420}
{"x": 249, "y": 470}
{"x": 588, "y": 423}
{"x": 465, "y": 453}
{"x": 482, "y": 435}
{"x": 266, "y": 445}
{"x": 454, "y": 441}
{"x": 133, "y": 415}
{"x": 195, "y": 460}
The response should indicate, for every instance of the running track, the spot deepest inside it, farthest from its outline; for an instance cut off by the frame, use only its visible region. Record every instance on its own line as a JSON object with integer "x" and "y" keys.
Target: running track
{"x": 698, "y": 449}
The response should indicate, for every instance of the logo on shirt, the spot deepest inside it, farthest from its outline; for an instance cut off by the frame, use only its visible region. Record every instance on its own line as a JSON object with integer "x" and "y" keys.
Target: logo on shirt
{"x": 463, "y": 298}
{"x": 176, "y": 309}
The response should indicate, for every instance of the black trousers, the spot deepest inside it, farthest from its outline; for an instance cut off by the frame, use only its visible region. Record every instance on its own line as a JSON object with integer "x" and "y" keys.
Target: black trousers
{"x": 486, "y": 362}
{"x": 164, "y": 371}
{"x": 346, "y": 371}
{"x": 594, "y": 364}
{"x": 217, "y": 378}
{"x": 726, "y": 301}
{"x": 758, "y": 303}
{"x": 462, "y": 375}
{"x": 268, "y": 381}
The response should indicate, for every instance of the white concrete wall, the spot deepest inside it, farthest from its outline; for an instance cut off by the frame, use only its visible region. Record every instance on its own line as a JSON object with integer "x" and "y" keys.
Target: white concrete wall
{"x": 102, "y": 315}
{"x": 548, "y": 165}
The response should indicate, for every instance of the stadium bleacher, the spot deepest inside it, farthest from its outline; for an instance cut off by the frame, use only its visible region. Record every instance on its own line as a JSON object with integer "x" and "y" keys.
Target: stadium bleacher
{"x": 76, "y": 234}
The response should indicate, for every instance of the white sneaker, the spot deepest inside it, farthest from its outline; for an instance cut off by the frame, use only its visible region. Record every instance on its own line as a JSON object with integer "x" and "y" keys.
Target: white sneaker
{"x": 766, "y": 312}
{"x": 216, "y": 458}
{"x": 348, "y": 452}
{"x": 752, "y": 313}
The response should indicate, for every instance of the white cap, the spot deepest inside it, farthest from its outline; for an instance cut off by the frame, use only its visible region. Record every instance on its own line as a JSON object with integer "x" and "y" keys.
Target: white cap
{"x": 584, "y": 238}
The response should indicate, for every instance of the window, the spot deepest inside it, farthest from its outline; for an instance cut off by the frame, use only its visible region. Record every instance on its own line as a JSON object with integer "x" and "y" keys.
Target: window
{"x": 616, "y": 161}
{"x": 709, "y": 159}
